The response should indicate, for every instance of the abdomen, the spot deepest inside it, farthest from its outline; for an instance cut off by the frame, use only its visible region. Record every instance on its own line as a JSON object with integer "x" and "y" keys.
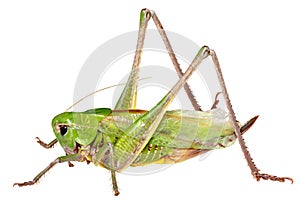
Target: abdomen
{"x": 181, "y": 135}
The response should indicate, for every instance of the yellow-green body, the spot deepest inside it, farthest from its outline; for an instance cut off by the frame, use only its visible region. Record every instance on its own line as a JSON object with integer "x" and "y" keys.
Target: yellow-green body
{"x": 181, "y": 134}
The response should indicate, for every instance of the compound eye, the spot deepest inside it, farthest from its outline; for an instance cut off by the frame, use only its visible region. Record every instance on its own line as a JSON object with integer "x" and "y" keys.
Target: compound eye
{"x": 63, "y": 129}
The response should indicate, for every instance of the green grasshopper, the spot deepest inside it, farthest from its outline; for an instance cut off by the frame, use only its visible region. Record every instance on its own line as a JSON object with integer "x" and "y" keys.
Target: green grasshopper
{"x": 125, "y": 136}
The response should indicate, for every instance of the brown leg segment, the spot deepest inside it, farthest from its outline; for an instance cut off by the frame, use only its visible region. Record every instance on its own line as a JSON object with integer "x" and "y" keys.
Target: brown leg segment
{"x": 254, "y": 170}
{"x": 174, "y": 60}
{"x": 72, "y": 157}
{"x": 45, "y": 145}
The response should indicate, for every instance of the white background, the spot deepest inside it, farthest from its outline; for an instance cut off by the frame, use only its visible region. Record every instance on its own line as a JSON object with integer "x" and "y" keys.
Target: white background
{"x": 43, "y": 46}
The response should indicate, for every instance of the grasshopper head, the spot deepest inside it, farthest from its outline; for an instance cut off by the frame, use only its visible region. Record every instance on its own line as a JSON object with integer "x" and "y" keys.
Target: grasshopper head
{"x": 76, "y": 129}
{"x": 65, "y": 131}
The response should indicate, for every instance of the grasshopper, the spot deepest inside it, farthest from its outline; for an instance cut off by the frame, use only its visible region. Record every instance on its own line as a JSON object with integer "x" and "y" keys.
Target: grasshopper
{"x": 125, "y": 136}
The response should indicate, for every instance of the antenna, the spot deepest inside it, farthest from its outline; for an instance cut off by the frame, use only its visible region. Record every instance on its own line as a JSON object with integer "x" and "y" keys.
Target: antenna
{"x": 81, "y": 99}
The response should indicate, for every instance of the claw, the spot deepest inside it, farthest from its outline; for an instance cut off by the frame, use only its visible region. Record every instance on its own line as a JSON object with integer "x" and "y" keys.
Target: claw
{"x": 264, "y": 176}
{"x": 24, "y": 184}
